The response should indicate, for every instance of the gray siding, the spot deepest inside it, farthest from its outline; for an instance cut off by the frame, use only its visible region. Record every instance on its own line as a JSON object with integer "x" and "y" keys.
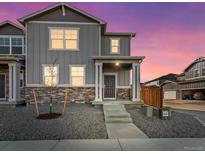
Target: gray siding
{"x": 123, "y": 75}
{"x": 124, "y": 45}
{"x": 38, "y": 52}
{"x": 190, "y": 72}
{"x": 57, "y": 15}
{"x": 10, "y": 30}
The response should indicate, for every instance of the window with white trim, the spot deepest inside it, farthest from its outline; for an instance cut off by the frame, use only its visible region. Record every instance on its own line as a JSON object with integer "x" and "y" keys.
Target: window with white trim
{"x": 77, "y": 75}
{"x": 4, "y": 45}
{"x": 57, "y": 38}
{"x": 115, "y": 45}
{"x": 203, "y": 71}
{"x": 17, "y": 45}
{"x": 71, "y": 37}
{"x": 65, "y": 38}
{"x": 11, "y": 45}
{"x": 50, "y": 75}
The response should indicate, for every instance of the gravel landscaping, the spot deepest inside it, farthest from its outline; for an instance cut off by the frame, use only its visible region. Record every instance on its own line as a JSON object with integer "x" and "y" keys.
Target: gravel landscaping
{"x": 81, "y": 121}
{"x": 180, "y": 125}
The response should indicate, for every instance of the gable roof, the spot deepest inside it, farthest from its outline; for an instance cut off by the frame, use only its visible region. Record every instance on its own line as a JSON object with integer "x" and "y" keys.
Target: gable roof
{"x": 170, "y": 77}
{"x": 195, "y": 61}
{"x": 12, "y": 24}
{"x": 23, "y": 19}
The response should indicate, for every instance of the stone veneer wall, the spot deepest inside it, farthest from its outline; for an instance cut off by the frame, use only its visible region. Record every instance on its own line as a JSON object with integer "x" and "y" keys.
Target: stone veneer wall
{"x": 124, "y": 93}
{"x": 86, "y": 94}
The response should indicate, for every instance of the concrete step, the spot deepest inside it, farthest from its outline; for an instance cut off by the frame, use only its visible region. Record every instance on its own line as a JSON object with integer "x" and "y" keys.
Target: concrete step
{"x": 114, "y": 108}
{"x": 117, "y": 114}
{"x": 118, "y": 120}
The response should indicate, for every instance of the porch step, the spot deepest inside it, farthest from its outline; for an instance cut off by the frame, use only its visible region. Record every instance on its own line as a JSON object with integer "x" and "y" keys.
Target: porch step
{"x": 111, "y": 107}
{"x": 118, "y": 120}
{"x": 116, "y": 114}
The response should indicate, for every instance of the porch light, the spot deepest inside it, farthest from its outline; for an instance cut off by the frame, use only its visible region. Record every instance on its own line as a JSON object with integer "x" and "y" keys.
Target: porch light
{"x": 117, "y": 64}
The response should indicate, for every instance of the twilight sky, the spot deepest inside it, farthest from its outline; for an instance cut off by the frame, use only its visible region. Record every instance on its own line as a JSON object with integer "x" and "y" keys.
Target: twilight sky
{"x": 170, "y": 35}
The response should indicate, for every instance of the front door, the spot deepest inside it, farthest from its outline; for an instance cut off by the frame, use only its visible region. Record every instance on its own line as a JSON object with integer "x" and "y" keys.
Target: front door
{"x": 2, "y": 86}
{"x": 109, "y": 86}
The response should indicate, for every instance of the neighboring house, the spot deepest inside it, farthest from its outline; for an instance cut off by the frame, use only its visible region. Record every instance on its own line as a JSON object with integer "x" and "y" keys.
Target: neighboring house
{"x": 12, "y": 58}
{"x": 190, "y": 84}
{"x": 161, "y": 80}
{"x": 88, "y": 62}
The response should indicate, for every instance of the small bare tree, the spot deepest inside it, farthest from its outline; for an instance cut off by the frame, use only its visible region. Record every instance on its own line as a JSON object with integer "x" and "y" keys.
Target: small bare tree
{"x": 51, "y": 84}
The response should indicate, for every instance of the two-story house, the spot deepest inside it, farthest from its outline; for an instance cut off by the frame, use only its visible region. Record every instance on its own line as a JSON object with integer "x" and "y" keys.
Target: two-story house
{"x": 70, "y": 49}
{"x": 12, "y": 64}
{"x": 190, "y": 84}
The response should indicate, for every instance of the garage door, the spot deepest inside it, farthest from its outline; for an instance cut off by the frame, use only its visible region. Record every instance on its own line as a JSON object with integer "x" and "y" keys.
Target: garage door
{"x": 170, "y": 95}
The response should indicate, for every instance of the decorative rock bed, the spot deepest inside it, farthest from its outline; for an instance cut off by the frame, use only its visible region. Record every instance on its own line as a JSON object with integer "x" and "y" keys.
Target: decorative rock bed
{"x": 179, "y": 126}
{"x": 80, "y": 121}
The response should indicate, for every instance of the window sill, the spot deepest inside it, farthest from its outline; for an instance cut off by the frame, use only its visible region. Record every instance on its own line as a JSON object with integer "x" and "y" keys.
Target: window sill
{"x": 63, "y": 49}
{"x": 114, "y": 53}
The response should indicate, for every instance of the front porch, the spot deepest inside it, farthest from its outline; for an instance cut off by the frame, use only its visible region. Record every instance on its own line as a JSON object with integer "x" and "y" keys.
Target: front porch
{"x": 10, "y": 86}
{"x": 112, "y": 79}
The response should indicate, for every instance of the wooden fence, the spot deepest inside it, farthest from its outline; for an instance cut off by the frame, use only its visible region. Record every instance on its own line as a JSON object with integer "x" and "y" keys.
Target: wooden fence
{"x": 152, "y": 96}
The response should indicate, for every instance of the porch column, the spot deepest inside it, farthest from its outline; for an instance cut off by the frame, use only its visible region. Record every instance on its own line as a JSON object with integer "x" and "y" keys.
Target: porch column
{"x": 135, "y": 82}
{"x": 14, "y": 83}
{"x": 98, "y": 81}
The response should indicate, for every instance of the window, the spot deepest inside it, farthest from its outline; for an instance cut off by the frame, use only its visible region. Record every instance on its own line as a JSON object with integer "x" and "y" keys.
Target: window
{"x": 115, "y": 45}
{"x": 77, "y": 75}
{"x": 57, "y": 39}
{"x": 64, "y": 38}
{"x": 203, "y": 72}
{"x": 4, "y": 45}
{"x": 50, "y": 75}
{"x": 17, "y": 45}
{"x": 11, "y": 45}
{"x": 196, "y": 73}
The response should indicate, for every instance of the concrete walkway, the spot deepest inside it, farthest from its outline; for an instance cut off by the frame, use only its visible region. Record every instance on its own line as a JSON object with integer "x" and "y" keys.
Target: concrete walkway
{"x": 119, "y": 122}
{"x": 162, "y": 144}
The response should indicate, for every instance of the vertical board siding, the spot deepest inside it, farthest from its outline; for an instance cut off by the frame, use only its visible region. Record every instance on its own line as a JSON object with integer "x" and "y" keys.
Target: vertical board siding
{"x": 124, "y": 45}
{"x": 152, "y": 96}
{"x": 39, "y": 53}
{"x": 123, "y": 75}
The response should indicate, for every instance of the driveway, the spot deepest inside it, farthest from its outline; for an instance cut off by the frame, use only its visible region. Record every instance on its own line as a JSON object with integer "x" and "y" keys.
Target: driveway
{"x": 186, "y": 106}
{"x": 199, "y": 115}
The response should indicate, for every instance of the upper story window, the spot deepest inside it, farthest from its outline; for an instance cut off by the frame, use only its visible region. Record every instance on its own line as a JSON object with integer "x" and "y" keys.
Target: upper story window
{"x": 203, "y": 71}
{"x": 115, "y": 45}
{"x": 11, "y": 45}
{"x": 196, "y": 73}
{"x": 77, "y": 75}
{"x": 64, "y": 38}
{"x": 50, "y": 75}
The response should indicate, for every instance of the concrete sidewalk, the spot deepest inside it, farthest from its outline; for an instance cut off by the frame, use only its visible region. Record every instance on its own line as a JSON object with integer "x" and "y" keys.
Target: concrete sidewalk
{"x": 162, "y": 144}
